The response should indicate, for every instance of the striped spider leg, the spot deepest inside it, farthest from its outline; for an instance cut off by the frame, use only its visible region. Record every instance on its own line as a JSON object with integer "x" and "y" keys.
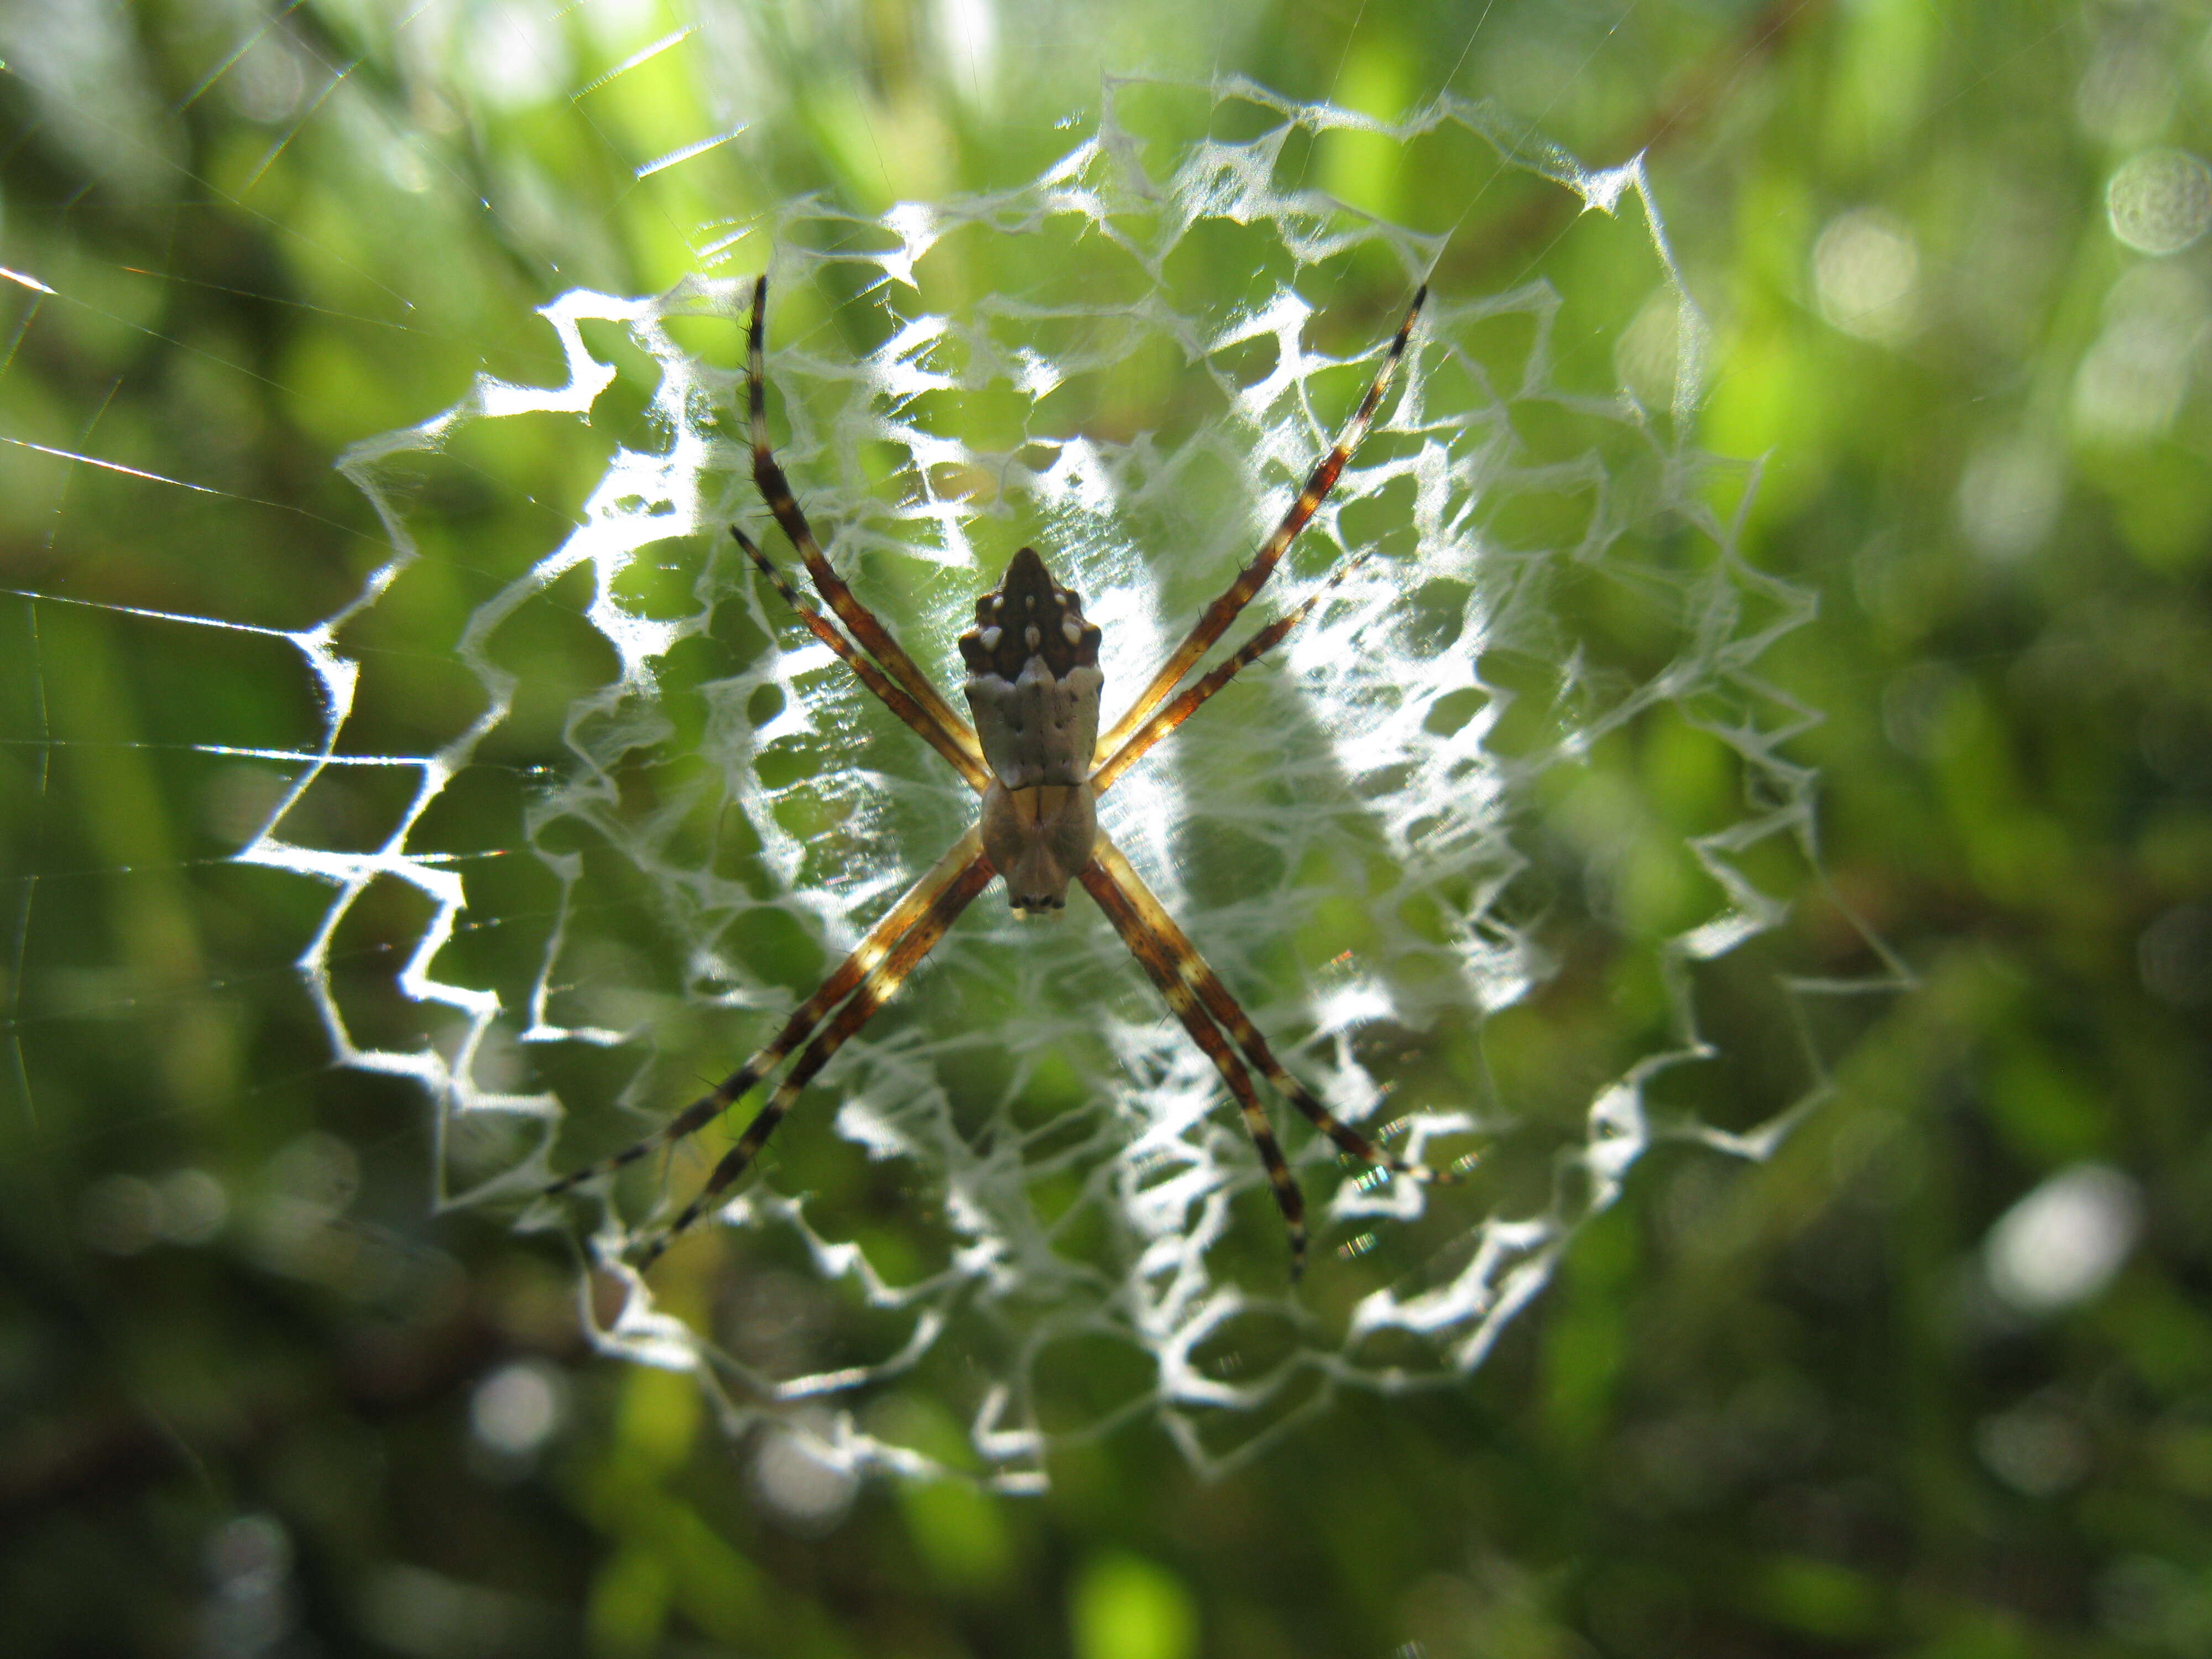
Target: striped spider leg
{"x": 1036, "y": 757}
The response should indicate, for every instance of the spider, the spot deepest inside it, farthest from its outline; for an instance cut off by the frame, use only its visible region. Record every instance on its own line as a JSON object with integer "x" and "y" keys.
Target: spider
{"x": 1035, "y": 756}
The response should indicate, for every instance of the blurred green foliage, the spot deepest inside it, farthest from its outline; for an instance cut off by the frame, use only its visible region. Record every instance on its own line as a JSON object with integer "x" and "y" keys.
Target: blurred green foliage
{"x": 253, "y": 1400}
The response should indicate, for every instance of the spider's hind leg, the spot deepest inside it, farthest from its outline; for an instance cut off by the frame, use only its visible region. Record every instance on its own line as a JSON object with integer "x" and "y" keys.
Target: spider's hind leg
{"x": 946, "y": 743}
{"x": 1166, "y": 719}
{"x": 1215, "y": 619}
{"x": 775, "y": 491}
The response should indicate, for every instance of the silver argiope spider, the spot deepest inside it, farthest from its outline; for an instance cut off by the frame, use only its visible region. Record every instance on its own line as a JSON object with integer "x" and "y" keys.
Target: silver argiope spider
{"x": 1036, "y": 758}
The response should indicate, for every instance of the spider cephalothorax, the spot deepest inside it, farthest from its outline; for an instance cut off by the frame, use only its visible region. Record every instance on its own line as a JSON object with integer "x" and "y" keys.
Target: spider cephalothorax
{"x": 1036, "y": 759}
{"x": 1033, "y": 685}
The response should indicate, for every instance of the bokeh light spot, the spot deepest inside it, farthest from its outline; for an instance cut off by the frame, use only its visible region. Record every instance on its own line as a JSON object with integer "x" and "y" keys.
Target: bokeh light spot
{"x": 2062, "y": 1244}
{"x": 515, "y": 1409}
{"x": 2161, "y": 201}
{"x": 1866, "y": 274}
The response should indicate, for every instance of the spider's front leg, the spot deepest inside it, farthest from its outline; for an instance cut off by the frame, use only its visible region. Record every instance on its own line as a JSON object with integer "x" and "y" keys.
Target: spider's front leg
{"x": 867, "y": 960}
{"x": 1157, "y": 957}
{"x": 959, "y": 877}
{"x": 1194, "y": 971}
{"x": 1033, "y": 685}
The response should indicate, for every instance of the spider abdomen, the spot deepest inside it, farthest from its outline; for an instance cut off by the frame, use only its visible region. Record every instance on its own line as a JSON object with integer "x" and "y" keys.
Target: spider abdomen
{"x": 1033, "y": 685}
{"x": 1041, "y": 728}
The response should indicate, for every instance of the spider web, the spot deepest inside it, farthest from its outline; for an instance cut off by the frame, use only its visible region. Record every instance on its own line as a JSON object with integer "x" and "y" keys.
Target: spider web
{"x": 1420, "y": 844}
{"x": 1043, "y": 1205}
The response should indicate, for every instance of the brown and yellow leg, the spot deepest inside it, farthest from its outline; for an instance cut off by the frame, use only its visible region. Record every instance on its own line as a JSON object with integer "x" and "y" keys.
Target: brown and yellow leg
{"x": 1156, "y": 958}
{"x": 882, "y": 940}
{"x": 775, "y": 489}
{"x": 896, "y": 701}
{"x": 1206, "y": 986}
{"x": 1214, "y": 621}
{"x": 1186, "y": 705}
{"x": 943, "y": 907}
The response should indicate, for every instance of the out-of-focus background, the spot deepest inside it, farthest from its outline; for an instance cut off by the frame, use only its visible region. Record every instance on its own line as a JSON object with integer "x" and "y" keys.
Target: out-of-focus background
{"x": 1935, "y": 1378}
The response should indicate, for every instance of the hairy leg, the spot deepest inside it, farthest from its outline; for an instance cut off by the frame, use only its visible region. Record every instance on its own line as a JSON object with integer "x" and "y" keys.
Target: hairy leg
{"x": 943, "y": 907}
{"x": 1157, "y": 957}
{"x": 1215, "y": 997}
{"x": 1215, "y": 678}
{"x": 882, "y": 941}
{"x": 775, "y": 489}
{"x": 873, "y": 677}
{"x": 1214, "y": 621}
